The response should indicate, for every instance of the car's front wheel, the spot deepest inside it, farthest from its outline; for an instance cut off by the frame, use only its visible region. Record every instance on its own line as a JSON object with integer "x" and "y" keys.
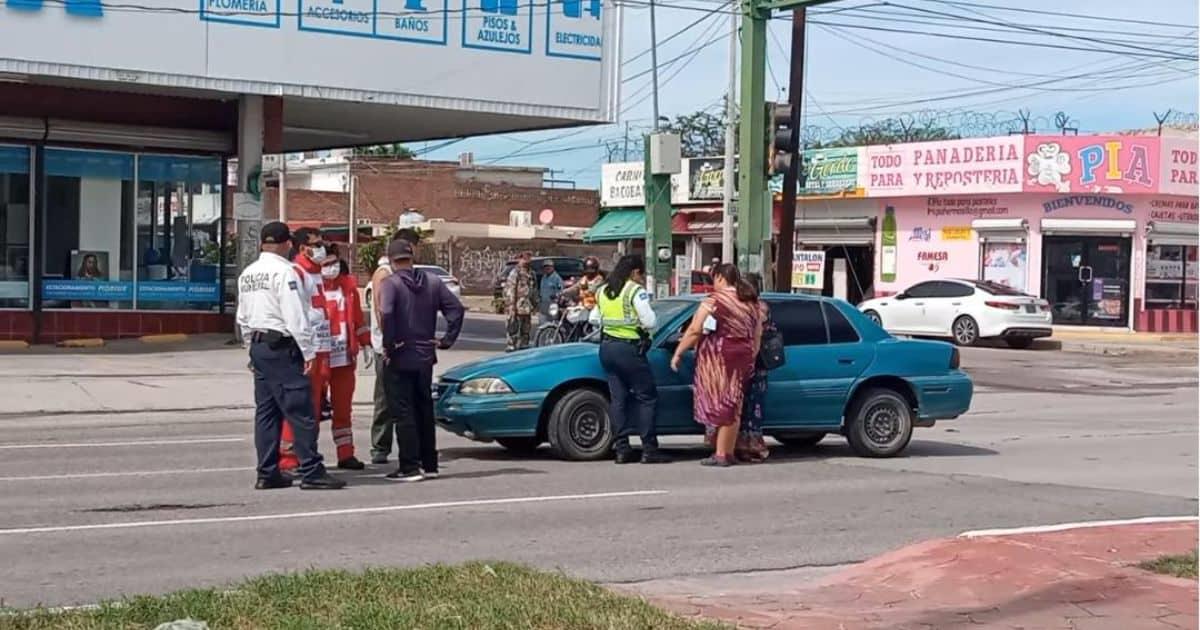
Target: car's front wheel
{"x": 578, "y": 427}
{"x": 879, "y": 423}
{"x": 874, "y": 316}
{"x": 965, "y": 331}
{"x": 1019, "y": 343}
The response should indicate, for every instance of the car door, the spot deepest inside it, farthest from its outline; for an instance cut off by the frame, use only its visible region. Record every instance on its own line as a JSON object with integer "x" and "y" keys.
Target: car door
{"x": 946, "y": 302}
{"x": 850, "y": 358}
{"x": 799, "y": 393}
{"x": 905, "y": 312}
{"x": 674, "y": 409}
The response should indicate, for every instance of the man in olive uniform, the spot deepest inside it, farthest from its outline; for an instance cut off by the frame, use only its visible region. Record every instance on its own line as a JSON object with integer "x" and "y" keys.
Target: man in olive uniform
{"x": 520, "y": 302}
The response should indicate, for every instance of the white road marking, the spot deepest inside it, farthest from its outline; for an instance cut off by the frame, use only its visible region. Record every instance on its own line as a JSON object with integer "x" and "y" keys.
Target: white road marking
{"x": 1042, "y": 529}
{"x": 204, "y": 440}
{"x": 322, "y": 513}
{"x": 139, "y": 473}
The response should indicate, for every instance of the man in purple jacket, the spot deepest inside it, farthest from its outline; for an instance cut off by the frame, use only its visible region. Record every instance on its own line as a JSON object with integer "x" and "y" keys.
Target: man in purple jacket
{"x": 409, "y": 302}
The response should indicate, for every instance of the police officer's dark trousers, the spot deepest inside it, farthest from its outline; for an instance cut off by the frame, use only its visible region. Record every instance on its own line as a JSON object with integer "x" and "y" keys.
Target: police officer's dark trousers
{"x": 632, "y": 394}
{"x": 281, "y": 390}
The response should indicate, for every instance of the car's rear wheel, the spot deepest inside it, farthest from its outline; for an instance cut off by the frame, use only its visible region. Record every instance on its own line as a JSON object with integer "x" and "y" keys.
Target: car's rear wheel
{"x": 874, "y": 316}
{"x": 520, "y": 445}
{"x": 1019, "y": 343}
{"x": 578, "y": 426}
{"x": 879, "y": 423}
{"x": 965, "y": 331}
{"x": 799, "y": 440}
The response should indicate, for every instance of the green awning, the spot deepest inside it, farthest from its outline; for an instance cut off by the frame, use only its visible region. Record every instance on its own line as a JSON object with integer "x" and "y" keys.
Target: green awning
{"x": 618, "y": 225}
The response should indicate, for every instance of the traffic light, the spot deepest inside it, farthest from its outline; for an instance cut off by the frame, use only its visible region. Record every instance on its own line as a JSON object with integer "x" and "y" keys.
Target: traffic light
{"x": 780, "y": 149}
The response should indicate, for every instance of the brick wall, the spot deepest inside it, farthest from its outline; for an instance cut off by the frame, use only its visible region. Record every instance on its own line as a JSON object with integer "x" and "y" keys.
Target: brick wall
{"x": 477, "y": 261}
{"x": 387, "y": 187}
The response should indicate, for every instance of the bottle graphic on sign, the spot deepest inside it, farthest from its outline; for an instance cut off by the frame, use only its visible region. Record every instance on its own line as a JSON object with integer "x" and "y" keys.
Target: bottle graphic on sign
{"x": 887, "y": 261}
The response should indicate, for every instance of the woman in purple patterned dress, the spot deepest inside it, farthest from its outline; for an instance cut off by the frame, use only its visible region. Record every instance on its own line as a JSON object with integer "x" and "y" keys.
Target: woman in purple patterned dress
{"x": 725, "y": 357}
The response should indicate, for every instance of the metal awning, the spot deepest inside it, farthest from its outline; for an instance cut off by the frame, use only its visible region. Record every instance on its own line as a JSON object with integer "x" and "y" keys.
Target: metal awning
{"x": 1123, "y": 227}
{"x": 1001, "y": 230}
{"x": 836, "y": 231}
{"x": 618, "y": 225}
{"x": 1172, "y": 233}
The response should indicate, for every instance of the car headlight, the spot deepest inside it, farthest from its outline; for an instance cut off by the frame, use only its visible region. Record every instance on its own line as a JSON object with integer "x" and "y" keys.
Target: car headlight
{"x": 553, "y": 310}
{"x": 484, "y": 386}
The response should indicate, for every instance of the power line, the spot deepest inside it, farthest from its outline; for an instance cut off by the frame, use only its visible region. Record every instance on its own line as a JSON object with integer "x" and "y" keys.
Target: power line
{"x": 1078, "y": 16}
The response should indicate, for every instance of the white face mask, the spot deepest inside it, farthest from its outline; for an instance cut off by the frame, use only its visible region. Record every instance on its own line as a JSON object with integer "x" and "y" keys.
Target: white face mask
{"x": 329, "y": 272}
{"x": 317, "y": 255}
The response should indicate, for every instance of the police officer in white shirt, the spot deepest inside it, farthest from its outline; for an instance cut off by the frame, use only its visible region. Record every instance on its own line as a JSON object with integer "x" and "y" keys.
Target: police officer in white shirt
{"x": 273, "y": 316}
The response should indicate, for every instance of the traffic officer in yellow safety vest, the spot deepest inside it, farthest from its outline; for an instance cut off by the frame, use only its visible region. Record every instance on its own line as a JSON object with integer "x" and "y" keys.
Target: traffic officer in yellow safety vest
{"x": 273, "y": 315}
{"x": 625, "y": 319}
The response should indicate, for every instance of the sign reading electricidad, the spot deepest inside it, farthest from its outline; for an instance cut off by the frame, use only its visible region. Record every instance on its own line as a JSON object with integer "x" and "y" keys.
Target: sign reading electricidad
{"x": 505, "y": 25}
{"x": 248, "y": 12}
{"x": 574, "y": 29}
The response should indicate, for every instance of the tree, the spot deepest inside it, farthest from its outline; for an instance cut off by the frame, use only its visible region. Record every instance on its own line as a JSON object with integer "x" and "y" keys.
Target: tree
{"x": 394, "y": 149}
{"x": 701, "y": 134}
{"x": 888, "y": 131}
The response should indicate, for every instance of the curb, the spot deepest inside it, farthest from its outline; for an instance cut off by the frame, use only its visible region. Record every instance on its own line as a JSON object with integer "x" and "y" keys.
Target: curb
{"x": 14, "y": 345}
{"x": 1062, "y": 527}
{"x": 89, "y": 342}
{"x": 167, "y": 338}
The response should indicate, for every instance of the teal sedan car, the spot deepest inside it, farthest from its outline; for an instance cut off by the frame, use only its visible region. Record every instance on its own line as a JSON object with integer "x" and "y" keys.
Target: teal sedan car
{"x": 843, "y": 374}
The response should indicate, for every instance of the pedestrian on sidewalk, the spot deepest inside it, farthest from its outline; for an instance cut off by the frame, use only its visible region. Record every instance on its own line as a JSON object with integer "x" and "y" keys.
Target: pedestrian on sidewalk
{"x": 520, "y": 301}
{"x": 751, "y": 446}
{"x": 410, "y": 301}
{"x": 311, "y": 253}
{"x": 727, "y": 329}
{"x": 625, "y": 319}
{"x": 273, "y": 315}
{"x": 348, "y": 331}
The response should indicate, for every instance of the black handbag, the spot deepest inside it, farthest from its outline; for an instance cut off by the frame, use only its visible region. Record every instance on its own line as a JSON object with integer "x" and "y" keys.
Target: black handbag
{"x": 770, "y": 351}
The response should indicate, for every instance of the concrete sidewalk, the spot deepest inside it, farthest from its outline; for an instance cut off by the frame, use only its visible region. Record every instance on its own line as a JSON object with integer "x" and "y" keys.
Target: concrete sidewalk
{"x": 1122, "y": 342}
{"x": 1079, "y": 579}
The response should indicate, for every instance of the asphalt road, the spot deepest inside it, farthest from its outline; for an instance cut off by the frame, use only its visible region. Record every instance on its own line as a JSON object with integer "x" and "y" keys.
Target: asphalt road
{"x": 99, "y": 496}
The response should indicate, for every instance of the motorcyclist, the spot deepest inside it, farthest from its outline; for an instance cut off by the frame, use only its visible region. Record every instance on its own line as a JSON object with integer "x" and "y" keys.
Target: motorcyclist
{"x": 584, "y": 289}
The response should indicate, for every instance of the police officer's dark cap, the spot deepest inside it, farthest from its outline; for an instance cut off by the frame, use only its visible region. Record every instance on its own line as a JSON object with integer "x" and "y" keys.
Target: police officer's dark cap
{"x": 400, "y": 249}
{"x": 275, "y": 232}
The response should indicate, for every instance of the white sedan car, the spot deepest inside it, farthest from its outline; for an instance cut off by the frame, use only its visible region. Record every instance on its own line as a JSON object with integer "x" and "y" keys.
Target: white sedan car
{"x": 963, "y": 310}
{"x": 448, "y": 279}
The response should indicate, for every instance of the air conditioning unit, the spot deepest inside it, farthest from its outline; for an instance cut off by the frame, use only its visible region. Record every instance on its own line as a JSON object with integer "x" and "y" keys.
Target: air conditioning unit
{"x": 520, "y": 218}
{"x": 466, "y": 159}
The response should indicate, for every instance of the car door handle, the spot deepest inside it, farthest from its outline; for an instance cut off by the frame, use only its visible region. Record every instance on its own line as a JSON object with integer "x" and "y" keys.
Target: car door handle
{"x": 844, "y": 361}
{"x": 956, "y": 304}
{"x": 918, "y": 304}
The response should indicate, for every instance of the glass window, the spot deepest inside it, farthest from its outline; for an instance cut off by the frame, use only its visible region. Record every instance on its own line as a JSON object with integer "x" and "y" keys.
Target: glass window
{"x": 14, "y": 226}
{"x": 1004, "y": 264}
{"x": 921, "y": 290}
{"x": 951, "y": 290}
{"x": 1171, "y": 276}
{"x": 800, "y": 322}
{"x": 840, "y": 329}
{"x": 87, "y": 246}
{"x": 178, "y": 232}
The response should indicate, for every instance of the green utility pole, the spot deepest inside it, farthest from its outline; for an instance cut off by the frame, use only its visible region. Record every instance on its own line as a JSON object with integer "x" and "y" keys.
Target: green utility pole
{"x": 754, "y": 202}
{"x": 658, "y": 220}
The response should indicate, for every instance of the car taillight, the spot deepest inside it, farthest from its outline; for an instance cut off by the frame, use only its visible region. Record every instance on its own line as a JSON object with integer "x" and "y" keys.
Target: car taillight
{"x": 954, "y": 359}
{"x": 1007, "y": 306}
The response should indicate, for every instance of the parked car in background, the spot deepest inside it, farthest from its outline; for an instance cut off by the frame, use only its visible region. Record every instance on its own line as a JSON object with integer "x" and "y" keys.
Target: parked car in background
{"x": 447, "y": 278}
{"x": 842, "y": 374}
{"x": 963, "y": 310}
{"x": 568, "y": 267}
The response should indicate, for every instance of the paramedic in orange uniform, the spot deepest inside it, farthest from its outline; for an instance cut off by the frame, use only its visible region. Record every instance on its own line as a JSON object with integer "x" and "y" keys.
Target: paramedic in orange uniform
{"x": 348, "y": 332}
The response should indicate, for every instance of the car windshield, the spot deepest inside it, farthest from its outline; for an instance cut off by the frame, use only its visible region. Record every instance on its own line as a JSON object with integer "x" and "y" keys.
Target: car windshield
{"x": 995, "y": 288}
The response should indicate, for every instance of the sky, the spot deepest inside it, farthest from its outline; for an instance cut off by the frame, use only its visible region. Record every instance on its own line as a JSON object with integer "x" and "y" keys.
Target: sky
{"x": 1107, "y": 65}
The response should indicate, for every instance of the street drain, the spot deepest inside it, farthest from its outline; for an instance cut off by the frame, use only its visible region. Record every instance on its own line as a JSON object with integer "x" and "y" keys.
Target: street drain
{"x": 160, "y": 507}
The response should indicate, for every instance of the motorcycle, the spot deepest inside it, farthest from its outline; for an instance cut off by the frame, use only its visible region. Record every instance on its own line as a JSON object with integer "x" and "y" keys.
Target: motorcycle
{"x": 569, "y": 324}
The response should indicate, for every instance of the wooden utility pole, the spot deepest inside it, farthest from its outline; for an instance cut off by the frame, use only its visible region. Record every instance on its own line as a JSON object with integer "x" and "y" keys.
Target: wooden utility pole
{"x": 791, "y": 177}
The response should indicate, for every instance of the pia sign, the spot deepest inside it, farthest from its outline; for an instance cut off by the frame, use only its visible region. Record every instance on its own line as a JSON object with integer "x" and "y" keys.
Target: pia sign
{"x": 81, "y": 8}
{"x": 1092, "y": 164}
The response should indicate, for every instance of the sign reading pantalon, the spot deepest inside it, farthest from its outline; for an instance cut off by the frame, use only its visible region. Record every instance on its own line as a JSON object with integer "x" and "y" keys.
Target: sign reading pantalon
{"x": 808, "y": 270}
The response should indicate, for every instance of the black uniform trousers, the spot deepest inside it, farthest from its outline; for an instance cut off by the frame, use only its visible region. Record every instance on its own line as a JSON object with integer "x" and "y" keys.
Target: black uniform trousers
{"x": 632, "y": 394}
{"x": 410, "y": 402}
{"x": 281, "y": 390}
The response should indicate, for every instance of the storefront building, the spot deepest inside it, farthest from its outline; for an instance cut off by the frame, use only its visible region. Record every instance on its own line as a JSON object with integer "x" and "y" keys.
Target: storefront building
{"x": 117, "y": 128}
{"x": 1103, "y": 227}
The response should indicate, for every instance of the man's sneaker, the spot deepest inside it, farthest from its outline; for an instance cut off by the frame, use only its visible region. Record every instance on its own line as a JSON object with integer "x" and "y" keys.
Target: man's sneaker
{"x": 655, "y": 457}
{"x": 627, "y": 457}
{"x": 324, "y": 482}
{"x": 273, "y": 483}
{"x": 351, "y": 463}
{"x": 430, "y": 474}
{"x": 379, "y": 459}
{"x": 407, "y": 477}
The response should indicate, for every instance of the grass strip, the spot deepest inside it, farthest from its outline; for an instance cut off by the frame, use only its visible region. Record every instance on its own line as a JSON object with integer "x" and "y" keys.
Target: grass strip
{"x": 1182, "y": 566}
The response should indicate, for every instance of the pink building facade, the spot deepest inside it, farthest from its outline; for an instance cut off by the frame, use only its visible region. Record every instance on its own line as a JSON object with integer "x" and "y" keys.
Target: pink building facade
{"x": 1103, "y": 227}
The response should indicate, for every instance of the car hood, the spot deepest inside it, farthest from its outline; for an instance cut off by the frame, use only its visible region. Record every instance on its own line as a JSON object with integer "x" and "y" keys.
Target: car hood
{"x": 504, "y": 365}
